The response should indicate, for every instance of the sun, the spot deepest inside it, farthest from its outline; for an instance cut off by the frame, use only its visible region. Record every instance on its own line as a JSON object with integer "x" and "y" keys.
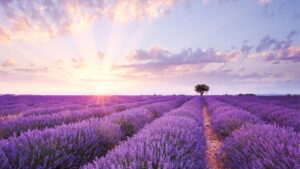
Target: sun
{"x": 102, "y": 89}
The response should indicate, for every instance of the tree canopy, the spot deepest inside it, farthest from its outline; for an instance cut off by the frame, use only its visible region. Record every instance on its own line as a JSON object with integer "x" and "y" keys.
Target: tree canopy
{"x": 201, "y": 88}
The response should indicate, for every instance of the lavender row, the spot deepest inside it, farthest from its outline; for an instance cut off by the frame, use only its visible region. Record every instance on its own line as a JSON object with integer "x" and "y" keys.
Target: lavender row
{"x": 16, "y": 126}
{"x": 98, "y": 102}
{"x": 19, "y": 125}
{"x": 290, "y": 102}
{"x": 35, "y": 105}
{"x": 226, "y": 118}
{"x": 18, "y": 104}
{"x": 253, "y": 144}
{"x": 69, "y": 146}
{"x": 48, "y": 111}
{"x": 261, "y": 146}
{"x": 173, "y": 141}
{"x": 268, "y": 112}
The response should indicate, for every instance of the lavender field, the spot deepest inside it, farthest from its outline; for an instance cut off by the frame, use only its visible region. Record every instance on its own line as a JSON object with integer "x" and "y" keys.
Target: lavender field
{"x": 141, "y": 132}
{"x": 149, "y": 84}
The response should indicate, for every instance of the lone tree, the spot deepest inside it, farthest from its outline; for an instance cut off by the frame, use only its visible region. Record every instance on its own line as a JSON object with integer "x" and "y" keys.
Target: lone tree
{"x": 201, "y": 88}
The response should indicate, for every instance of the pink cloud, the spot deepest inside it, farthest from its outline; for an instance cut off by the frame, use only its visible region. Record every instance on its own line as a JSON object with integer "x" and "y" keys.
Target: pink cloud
{"x": 264, "y": 2}
{"x": 78, "y": 63}
{"x": 154, "y": 53}
{"x": 100, "y": 55}
{"x": 32, "y": 70}
{"x": 275, "y": 51}
{"x": 38, "y": 19}
{"x": 158, "y": 59}
{"x": 8, "y": 63}
{"x": 291, "y": 53}
{"x": 125, "y": 10}
{"x": 27, "y": 20}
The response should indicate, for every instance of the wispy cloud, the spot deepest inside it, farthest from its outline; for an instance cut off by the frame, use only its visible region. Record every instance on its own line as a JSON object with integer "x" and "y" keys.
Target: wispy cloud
{"x": 157, "y": 59}
{"x": 28, "y": 20}
{"x": 273, "y": 50}
{"x": 47, "y": 18}
{"x": 261, "y": 2}
{"x": 246, "y": 48}
{"x": 8, "y": 63}
{"x": 32, "y": 70}
{"x": 78, "y": 63}
{"x": 265, "y": 44}
{"x": 51, "y": 18}
{"x": 233, "y": 66}
{"x": 289, "y": 53}
{"x": 125, "y": 10}
{"x": 264, "y": 2}
{"x": 100, "y": 55}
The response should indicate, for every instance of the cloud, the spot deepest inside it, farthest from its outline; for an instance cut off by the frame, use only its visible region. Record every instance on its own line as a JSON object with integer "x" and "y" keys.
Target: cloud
{"x": 292, "y": 34}
{"x": 261, "y": 2}
{"x": 8, "y": 63}
{"x": 78, "y": 63}
{"x": 265, "y": 43}
{"x": 47, "y": 18}
{"x": 275, "y": 51}
{"x": 231, "y": 67}
{"x": 4, "y": 36}
{"x": 157, "y": 59}
{"x": 290, "y": 53}
{"x": 126, "y": 10}
{"x": 230, "y": 77}
{"x": 100, "y": 55}
{"x": 2, "y": 72}
{"x": 30, "y": 20}
{"x": 154, "y": 53}
{"x": 246, "y": 48}
{"x": 32, "y": 70}
{"x": 27, "y": 20}
{"x": 264, "y": 2}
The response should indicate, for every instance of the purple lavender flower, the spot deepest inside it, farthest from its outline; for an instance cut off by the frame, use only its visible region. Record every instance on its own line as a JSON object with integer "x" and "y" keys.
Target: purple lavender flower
{"x": 173, "y": 141}
{"x": 268, "y": 112}
{"x": 261, "y": 146}
{"x": 69, "y": 146}
{"x": 226, "y": 118}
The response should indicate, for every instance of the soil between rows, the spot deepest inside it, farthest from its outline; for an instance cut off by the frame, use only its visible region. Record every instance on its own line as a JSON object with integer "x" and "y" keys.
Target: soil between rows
{"x": 212, "y": 141}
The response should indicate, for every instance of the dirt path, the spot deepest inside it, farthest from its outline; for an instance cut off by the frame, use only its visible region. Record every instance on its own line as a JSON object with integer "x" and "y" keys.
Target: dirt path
{"x": 212, "y": 142}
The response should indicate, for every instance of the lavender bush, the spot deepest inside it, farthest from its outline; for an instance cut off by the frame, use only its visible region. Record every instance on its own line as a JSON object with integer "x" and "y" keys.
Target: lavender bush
{"x": 261, "y": 146}
{"x": 226, "y": 118}
{"x": 63, "y": 147}
{"x": 173, "y": 141}
{"x": 290, "y": 102}
{"x": 270, "y": 113}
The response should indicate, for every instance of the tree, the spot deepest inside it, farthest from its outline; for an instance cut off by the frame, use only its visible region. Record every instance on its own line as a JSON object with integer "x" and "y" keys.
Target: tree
{"x": 201, "y": 88}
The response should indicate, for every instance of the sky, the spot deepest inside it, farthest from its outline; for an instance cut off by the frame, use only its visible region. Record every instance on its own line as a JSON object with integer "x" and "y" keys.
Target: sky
{"x": 134, "y": 47}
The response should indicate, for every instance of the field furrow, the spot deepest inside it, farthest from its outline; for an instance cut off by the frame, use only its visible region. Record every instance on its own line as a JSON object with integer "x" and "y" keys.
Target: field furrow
{"x": 212, "y": 141}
